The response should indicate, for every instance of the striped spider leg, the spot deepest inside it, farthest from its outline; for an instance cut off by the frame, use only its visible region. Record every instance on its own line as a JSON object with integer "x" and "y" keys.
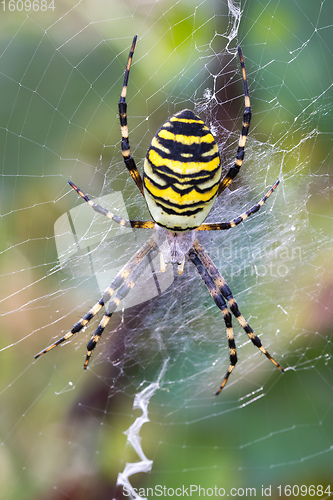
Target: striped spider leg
{"x": 118, "y": 289}
{"x": 221, "y": 294}
{"x": 115, "y": 218}
{"x": 233, "y": 171}
{"x": 218, "y": 226}
{"x": 122, "y": 107}
{"x": 221, "y": 304}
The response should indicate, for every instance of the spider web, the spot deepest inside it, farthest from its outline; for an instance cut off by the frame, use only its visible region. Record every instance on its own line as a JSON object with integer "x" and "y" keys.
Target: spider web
{"x": 64, "y": 431}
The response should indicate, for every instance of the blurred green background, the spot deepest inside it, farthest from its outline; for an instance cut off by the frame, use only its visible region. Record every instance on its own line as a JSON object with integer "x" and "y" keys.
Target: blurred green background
{"x": 61, "y": 71}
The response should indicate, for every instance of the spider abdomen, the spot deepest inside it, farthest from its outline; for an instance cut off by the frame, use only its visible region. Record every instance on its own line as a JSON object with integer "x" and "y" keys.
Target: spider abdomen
{"x": 182, "y": 172}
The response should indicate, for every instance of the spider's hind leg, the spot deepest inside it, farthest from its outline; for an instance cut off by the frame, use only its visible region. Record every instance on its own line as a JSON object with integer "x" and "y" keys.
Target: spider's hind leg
{"x": 223, "y": 298}
{"x": 135, "y": 268}
{"x": 118, "y": 289}
{"x": 221, "y": 304}
{"x": 233, "y": 306}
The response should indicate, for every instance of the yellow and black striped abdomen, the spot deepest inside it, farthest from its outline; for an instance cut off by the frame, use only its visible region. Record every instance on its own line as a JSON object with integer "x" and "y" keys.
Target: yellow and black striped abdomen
{"x": 181, "y": 172}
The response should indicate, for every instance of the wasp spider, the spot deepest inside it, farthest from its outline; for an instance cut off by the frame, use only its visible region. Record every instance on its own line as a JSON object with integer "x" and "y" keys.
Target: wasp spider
{"x": 182, "y": 178}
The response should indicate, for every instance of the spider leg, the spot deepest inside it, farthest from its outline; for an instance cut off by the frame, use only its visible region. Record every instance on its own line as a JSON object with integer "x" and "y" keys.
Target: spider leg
{"x": 234, "y": 222}
{"x": 221, "y": 304}
{"x": 115, "y": 218}
{"x": 121, "y": 293}
{"x": 117, "y": 283}
{"x": 233, "y": 171}
{"x": 233, "y": 306}
{"x": 122, "y": 106}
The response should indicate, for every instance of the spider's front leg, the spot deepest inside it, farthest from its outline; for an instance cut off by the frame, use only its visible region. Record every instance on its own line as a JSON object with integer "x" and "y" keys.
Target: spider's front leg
{"x": 233, "y": 171}
{"x": 122, "y": 106}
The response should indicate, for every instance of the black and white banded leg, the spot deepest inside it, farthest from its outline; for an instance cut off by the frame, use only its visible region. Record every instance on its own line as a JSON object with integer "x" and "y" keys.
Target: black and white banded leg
{"x": 233, "y": 171}
{"x": 141, "y": 224}
{"x": 118, "y": 289}
{"x": 121, "y": 293}
{"x": 224, "y": 289}
{"x": 221, "y": 304}
{"x": 217, "y": 226}
{"x": 122, "y": 106}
